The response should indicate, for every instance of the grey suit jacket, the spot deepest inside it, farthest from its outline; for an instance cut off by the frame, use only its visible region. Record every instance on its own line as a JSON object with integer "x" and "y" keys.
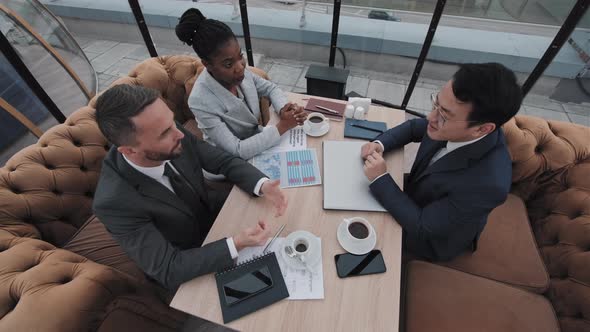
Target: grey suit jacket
{"x": 227, "y": 122}
{"x": 154, "y": 226}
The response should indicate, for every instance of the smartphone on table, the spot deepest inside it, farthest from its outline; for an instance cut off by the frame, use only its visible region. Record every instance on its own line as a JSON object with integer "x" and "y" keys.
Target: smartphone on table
{"x": 349, "y": 265}
{"x": 247, "y": 286}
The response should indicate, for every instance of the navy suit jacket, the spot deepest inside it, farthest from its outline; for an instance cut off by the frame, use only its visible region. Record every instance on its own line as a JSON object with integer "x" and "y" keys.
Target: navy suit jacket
{"x": 445, "y": 206}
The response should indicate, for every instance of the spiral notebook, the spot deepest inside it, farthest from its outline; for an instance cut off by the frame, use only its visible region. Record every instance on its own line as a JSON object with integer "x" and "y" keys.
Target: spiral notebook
{"x": 249, "y": 286}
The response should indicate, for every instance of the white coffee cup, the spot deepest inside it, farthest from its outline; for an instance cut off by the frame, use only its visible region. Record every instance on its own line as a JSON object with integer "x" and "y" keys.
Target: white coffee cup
{"x": 301, "y": 246}
{"x": 316, "y": 126}
{"x": 358, "y": 230}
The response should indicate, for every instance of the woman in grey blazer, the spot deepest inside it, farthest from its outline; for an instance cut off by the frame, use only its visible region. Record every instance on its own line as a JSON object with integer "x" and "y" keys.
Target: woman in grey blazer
{"x": 225, "y": 97}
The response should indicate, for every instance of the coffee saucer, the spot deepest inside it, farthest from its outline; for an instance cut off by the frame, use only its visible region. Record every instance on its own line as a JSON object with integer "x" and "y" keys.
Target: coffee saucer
{"x": 312, "y": 258}
{"x": 354, "y": 248}
{"x": 321, "y": 132}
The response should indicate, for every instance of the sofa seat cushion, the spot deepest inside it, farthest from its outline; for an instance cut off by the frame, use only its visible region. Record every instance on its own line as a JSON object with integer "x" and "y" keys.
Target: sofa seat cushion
{"x": 507, "y": 250}
{"x": 94, "y": 242}
{"x": 43, "y": 288}
{"x": 137, "y": 313}
{"x": 443, "y": 299}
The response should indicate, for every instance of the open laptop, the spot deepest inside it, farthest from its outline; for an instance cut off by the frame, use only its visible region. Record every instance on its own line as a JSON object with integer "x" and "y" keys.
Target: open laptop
{"x": 345, "y": 185}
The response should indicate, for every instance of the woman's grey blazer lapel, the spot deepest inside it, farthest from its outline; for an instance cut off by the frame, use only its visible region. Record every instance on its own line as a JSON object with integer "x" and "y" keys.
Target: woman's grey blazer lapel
{"x": 250, "y": 93}
{"x": 233, "y": 107}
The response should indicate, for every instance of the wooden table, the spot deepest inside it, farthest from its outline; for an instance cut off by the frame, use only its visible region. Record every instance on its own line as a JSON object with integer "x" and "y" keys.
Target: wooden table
{"x": 367, "y": 303}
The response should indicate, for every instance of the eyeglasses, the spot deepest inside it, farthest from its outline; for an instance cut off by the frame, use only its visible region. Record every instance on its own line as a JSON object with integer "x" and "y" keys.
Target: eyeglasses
{"x": 441, "y": 117}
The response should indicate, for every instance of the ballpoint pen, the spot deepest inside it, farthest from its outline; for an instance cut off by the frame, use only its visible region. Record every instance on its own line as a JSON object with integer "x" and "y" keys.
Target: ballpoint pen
{"x": 368, "y": 128}
{"x": 273, "y": 238}
{"x": 327, "y": 109}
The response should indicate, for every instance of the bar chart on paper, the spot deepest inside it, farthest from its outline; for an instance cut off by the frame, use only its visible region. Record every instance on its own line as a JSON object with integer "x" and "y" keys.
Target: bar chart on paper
{"x": 294, "y": 168}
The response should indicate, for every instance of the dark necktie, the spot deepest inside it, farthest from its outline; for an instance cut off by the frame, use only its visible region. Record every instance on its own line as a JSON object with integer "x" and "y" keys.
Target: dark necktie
{"x": 425, "y": 161}
{"x": 182, "y": 188}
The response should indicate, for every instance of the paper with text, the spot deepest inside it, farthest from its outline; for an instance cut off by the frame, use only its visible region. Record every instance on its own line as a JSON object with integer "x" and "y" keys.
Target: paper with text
{"x": 302, "y": 284}
{"x": 294, "y": 139}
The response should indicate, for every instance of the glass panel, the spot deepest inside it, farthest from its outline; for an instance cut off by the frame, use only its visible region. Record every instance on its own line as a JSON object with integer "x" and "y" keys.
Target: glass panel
{"x": 567, "y": 97}
{"x": 282, "y": 42}
{"x": 288, "y": 36}
{"x": 546, "y": 12}
{"x": 382, "y": 45}
{"x": 13, "y": 135}
{"x": 45, "y": 63}
{"x": 51, "y": 30}
{"x": 504, "y": 39}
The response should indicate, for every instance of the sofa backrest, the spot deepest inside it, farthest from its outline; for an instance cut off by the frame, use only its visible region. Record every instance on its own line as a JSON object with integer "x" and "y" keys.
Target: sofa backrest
{"x": 551, "y": 173}
{"x": 539, "y": 148}
{"x": 174, "y": 76}
{"x": 50, "y": 184}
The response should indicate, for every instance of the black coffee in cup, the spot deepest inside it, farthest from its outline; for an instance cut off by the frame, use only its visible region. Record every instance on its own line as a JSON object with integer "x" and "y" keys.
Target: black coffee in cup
{"x": 358, "y": 230}
{"x": 301, "y": 247}
{"x": 315, "y": 119}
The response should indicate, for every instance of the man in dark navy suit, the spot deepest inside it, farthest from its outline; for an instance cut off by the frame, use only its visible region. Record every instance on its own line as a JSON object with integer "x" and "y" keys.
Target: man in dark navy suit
{"x": 462, "y": 170}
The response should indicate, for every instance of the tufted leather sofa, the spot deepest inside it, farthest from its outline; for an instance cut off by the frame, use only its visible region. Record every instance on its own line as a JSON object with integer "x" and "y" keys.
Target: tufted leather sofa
{"x": 536, "y": 242}
{"x": 60, "y": 270}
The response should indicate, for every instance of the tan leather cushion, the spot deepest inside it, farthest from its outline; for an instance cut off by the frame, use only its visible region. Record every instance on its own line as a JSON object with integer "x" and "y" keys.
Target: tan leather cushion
{"x": 507, "y": 250}
{"x": 442, "y": 299}
{"x": 560, "y": 216}
{"x": 94, "y": 242}
{"x": 538, "y": 147}
{"x": 172, "y": 75}
{"x": 49, "y": 289}
{"x": 50, "y": 184}
{"x": 551, "y": 172}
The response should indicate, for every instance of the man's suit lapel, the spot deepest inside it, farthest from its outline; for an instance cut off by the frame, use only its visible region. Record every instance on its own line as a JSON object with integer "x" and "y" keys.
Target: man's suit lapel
{"x": 191, "y": 173}
{"x": 460, "y": 158}
{"x": 148, "y": 186}
{"x": 427, "y": 150}
{"x": 230, "y": 102}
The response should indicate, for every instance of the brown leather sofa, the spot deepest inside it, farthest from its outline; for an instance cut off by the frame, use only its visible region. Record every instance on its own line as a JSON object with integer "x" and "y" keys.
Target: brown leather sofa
{"x": 60, "y": 270}
{"x": 536, "y": 242}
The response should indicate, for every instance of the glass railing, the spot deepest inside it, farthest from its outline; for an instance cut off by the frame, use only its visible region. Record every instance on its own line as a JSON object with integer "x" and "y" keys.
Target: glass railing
{"x": 50, "y": 53}
{"x": 380, "y": 42}
{"x": 569, "y": 99}
{"x": 22, "y": 115}
{"x": 515, "y": 44}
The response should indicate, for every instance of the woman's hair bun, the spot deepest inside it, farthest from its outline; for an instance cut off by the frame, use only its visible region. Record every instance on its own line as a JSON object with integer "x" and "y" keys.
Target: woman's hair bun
{"x": 188, "y": 24}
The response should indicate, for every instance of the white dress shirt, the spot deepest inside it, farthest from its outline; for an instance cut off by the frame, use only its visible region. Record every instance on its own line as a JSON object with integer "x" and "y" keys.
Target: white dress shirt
{"x": 451, "y": 146}
{"x": 157, "y": 173}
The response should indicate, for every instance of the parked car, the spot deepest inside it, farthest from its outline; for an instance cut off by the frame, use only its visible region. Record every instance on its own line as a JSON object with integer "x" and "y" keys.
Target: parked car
{"x": 382, "y": 15}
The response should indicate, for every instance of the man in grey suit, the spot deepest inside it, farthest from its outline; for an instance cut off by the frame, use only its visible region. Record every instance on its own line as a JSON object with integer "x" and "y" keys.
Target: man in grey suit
{"x": 151, "y": 195}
